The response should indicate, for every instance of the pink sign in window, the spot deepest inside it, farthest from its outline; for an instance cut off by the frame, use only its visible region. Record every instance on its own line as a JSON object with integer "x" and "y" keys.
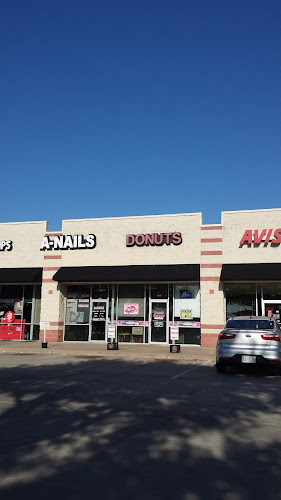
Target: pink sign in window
{"x": 131, "y": 309}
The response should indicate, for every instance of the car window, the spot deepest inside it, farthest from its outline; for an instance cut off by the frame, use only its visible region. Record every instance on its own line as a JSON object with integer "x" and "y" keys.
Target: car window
{"x": 250, "y": 324}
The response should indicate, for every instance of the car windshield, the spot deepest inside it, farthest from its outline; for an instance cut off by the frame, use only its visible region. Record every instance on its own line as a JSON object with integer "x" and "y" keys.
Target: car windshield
{"x": 250, "y": 324}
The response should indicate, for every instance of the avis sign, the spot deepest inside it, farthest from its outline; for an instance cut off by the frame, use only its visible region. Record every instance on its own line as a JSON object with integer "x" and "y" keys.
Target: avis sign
{"x": 259, "y": 237}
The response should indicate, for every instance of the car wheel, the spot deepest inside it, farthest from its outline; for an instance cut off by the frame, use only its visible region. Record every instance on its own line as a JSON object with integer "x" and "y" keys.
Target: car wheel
{"x": 220, "y": 368}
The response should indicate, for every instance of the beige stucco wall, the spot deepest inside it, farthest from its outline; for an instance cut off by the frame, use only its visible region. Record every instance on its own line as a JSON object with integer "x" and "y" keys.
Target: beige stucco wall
{"x": 210, "y": 246}
{"x": 111, "y": 250}
{"x": 111, "y": 240}
{"x": 111, "y": 247}
{"x": 234, "y": 226}
{"x": 212, "y": 297}
{"x": 52, "y": 310}
{"x": 26, "y": 238}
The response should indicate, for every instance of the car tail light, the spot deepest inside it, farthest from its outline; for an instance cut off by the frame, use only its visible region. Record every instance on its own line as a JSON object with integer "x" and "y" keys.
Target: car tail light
{"x": 271, "y": 337}
{"x": 224, "y": 335}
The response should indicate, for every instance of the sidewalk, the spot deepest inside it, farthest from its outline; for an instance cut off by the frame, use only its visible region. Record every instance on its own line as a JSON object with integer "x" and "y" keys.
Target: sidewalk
{"x": 188, "y": 353}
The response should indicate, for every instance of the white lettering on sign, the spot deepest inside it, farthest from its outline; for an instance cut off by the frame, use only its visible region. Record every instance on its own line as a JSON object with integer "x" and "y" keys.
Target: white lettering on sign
{"x": 6, "y": 245}
{"x": 68, "y": 242}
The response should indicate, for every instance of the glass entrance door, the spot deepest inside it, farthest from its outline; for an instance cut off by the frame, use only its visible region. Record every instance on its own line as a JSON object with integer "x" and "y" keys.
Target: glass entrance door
{"x": 99, "y": 319}
{"x": 158, "y": 324}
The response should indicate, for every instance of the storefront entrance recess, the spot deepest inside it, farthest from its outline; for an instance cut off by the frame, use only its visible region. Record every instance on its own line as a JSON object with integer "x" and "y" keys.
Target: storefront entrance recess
{"x": 159, "y": 310}
{"x": 99, "y": 315}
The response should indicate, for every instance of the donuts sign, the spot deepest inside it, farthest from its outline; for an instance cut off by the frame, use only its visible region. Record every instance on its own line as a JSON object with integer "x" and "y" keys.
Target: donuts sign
{"x": 154, "y": 239}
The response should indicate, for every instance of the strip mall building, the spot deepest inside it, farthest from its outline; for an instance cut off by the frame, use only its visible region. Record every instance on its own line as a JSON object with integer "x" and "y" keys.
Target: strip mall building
{"x": 140, "y": 277}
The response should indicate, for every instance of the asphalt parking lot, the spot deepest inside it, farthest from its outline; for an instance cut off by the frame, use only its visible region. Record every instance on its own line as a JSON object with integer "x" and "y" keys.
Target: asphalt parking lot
{"x": 105, "y": 428}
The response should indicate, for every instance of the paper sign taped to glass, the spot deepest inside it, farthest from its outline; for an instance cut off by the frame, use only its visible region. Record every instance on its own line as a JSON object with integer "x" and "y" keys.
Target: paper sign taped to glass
{"x": 131, "y": 308}
{"x": 186, "y": 314}
{"x": 76, "y": 317}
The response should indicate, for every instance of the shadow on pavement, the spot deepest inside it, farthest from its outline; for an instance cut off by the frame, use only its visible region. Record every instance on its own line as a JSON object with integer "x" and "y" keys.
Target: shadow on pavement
{"x": 115, "y": 429}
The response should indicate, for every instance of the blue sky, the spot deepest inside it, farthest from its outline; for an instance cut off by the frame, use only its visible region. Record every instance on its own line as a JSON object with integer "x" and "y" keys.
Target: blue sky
{"x": 139, "y": 107}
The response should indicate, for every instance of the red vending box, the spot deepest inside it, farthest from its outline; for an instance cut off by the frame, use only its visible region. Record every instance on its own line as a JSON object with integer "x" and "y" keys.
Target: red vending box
{"x": 12, "y": 331}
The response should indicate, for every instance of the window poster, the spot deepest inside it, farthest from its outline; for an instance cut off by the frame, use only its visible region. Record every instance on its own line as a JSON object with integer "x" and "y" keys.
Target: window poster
{"x": 76, "y": 317}
{"x": 77, "y": 312}
{"x": 186, "y": 314}
{"x": 99, "y": 311}
{"x": 137, "y": 330}
{"x": 18, "y": 307}
{"x": 131, "y": 308}
{"x": 158, "y": 315}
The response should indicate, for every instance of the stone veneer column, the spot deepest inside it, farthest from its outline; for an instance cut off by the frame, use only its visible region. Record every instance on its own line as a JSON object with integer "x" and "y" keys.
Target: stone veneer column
{"x": 212, "y": 296}
{"x": 52, "y": 299}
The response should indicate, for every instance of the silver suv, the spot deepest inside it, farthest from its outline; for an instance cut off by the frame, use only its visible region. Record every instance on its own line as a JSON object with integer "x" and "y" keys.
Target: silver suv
{"x": 249, "y": 339}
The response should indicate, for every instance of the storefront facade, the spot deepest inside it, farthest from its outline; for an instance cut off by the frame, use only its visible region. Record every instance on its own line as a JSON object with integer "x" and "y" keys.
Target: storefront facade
{"x": 143, "y": 279}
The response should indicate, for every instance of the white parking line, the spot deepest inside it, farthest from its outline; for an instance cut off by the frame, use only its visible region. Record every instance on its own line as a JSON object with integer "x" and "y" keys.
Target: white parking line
{"x": 54, "y": 355}
{"x": 190, "y": 369}
{"x": 78, "y": 369}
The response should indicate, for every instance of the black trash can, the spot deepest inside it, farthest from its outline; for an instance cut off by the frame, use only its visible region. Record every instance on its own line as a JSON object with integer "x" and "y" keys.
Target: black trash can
{"x": 112, "y": 346}
{"x": 44, "y": 345}
{"x": 175, "y": 348}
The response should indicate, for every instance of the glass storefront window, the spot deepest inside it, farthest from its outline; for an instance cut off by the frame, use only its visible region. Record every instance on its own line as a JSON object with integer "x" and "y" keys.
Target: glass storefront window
{"x": 187, "y": 302}
{"x": 12, "y": 292}
{"x": 189, "y": 336}
{"x": 272, "y": 291}
{"x": 28, "y": 291}
{"x": 131, "y": 301}
{"x": 77, "y": 305}
{"x": 22, "y": 301}
{"x": 240, "y": 299}
{"x": 77, "y": 311}
{"x": 187, "y": 312}
{"x": 135, "y": 310}
{"x": 28, "y": 304}
{"x": 36, "y": 329}
{"x": 78, "y": 291}
{"x": 131, "y": 309}
{"x": 159, "y": 291}
{"x": 37, "y": 305}
{"x": 27, "y": 310}
{"x": 132, "y": 334}
{"x": 99, "y": 291}
{"x": 78, "y": 333}
{"x": 253, "y": 299}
